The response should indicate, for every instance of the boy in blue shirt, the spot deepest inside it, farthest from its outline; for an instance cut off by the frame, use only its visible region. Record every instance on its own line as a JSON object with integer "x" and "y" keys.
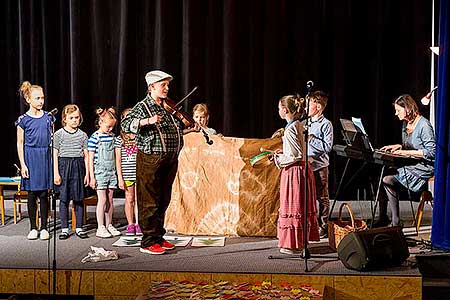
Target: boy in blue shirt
{"x": 320, "y": 143}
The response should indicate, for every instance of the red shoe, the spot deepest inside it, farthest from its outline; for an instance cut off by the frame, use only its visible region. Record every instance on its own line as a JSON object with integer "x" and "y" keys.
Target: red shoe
{"x": 167, "y": 245}
{"x": 153, "y": 249}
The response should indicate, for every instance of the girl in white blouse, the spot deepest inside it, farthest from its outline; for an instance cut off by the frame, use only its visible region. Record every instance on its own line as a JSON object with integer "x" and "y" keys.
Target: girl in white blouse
{"x": 292, "y": 161}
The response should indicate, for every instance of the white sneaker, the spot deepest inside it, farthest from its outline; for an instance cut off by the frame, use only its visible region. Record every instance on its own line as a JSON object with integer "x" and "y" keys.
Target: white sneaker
{"x": 113, "y": 230}
{"x": 44, "y": 234}
{"x": 103, "y": 233}
{"x": 33, "y": 235}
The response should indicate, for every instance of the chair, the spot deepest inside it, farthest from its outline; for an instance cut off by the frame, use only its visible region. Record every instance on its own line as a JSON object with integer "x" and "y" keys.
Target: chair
{"x": 88, "y": 201}
{"x": 21, "y": 198}
{"x": 2, "y": 205}
{"x": 425, "y": 197}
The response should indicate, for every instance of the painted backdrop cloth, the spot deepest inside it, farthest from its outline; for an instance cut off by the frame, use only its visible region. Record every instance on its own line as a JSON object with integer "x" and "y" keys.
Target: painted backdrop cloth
{"x": 216, "y": 191}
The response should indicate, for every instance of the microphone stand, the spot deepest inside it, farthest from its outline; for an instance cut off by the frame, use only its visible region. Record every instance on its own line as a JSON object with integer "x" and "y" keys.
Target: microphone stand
{"x": 306, "y": 254}
{"x": 52, "y": 200}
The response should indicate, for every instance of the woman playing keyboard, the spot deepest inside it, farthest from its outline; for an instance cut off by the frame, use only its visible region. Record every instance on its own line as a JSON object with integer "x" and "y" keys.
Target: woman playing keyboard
{"x": 418, "y": 140}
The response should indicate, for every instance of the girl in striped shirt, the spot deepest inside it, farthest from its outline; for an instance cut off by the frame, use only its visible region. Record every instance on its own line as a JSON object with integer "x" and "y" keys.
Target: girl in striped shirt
{"x": 126, "y": 172}
{"x": 102, "y": 170}
{"x": 70, "y": 166}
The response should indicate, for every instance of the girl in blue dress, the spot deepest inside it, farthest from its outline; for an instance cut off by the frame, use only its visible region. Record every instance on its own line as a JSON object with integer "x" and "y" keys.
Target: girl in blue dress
{"x": 33, "y": 148}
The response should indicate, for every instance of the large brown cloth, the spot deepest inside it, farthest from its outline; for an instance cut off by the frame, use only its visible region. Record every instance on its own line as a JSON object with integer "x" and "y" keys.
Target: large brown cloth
{"x": 217, "y": 192}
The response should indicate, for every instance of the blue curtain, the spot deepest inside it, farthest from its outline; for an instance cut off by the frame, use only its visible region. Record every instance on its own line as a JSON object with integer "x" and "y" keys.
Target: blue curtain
{"x": 440, "y": 232}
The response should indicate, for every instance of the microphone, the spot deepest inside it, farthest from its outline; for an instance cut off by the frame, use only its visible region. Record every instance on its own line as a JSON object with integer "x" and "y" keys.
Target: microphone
{"x": 17, "y": 169}
{"x": 53, "y": 112}
{"x": 426, "y": 100}
{"x": 309, "y": 84}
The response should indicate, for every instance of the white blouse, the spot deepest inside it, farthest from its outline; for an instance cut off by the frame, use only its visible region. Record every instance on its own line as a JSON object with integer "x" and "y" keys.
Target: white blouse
{"x": 293, "y": 145}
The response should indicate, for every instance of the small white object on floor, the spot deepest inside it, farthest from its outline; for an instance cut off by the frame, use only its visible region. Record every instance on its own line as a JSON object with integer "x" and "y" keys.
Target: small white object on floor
{"x": 128, "y": 241}
{"x": 179, "y": 241}
{"x": 100, "y": 254}
{"x": 208, "y": 241}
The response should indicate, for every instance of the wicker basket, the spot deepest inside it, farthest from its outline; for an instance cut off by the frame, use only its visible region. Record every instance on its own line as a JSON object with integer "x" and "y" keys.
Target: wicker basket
{"x": 337, "y": 229}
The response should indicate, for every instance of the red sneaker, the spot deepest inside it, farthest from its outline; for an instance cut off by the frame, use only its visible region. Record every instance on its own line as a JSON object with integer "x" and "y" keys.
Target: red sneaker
{"x": 167, "y": 245}
{"x": 153, "y": 249}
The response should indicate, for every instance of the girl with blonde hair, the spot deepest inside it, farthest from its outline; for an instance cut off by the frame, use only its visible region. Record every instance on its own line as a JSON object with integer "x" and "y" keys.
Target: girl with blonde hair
{"x": 292, "y": 162}
{"x": 102, "y": 170}
{"x": 71, "y": 167}
{"x": 33, "y": 148}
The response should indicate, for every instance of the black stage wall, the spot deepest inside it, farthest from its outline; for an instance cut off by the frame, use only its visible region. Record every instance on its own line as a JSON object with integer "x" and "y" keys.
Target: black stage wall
{"x": 243, "y": 55}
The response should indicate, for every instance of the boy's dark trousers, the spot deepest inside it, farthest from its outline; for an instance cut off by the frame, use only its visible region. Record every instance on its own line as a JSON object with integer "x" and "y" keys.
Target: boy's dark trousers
{"x": 155, "y": 175}
{"x": 321, "y": 180}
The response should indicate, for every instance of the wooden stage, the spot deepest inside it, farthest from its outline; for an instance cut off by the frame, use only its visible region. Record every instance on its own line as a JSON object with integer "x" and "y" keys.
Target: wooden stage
{"x": 24, "y": 266}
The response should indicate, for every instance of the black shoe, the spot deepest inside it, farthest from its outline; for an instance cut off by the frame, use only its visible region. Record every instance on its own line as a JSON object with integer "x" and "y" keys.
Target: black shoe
{"x": 323, "y": 232}
{"x": 382, "y": 222}
{"x": 82, "y": 234}
{"x": 64, "y": 236}
{"x": 400, "y": 224}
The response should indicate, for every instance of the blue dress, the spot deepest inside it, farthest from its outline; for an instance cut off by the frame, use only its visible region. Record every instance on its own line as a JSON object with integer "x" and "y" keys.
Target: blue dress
{"x": 422, "y": 138}
{"x": 36, "y": 150}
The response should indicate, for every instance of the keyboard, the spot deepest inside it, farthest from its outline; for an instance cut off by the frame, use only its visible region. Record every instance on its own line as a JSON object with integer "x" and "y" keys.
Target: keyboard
{"x": 377, "y": 156}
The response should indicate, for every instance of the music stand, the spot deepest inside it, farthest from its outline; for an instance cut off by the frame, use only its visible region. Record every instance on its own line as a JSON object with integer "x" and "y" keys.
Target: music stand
{"x": 357, "y": 140}
{"x": 355, "y": 136}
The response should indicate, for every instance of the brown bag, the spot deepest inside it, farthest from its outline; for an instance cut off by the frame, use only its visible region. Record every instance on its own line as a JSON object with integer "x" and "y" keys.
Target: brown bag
{"x": 337, "y": 229}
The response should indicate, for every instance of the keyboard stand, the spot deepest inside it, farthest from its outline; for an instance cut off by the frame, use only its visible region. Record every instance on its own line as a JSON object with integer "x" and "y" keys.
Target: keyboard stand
{"x": 341, "y": 187}
{"x": 374, "y": 210}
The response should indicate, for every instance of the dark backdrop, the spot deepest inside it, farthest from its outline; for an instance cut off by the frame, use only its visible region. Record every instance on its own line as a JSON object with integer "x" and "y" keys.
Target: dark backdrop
{"x": 243, "y": 55}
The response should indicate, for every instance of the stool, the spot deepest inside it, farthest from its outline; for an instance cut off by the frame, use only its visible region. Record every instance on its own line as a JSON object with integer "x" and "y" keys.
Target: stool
{"x": 425, "y": 197}
{"x": 88, "y": 201}
{"x": 2, "y": 205}
{"x": 21, "y": 198}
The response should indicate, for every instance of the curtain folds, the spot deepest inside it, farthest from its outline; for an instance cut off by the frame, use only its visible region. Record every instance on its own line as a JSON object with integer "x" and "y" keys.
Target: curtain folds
{"x": 243, "y": 55}
{"x": 440, "y": 234}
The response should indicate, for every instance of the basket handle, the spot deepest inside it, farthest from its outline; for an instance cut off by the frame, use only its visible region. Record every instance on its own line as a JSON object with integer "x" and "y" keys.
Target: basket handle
{"x": 349, "y": 211}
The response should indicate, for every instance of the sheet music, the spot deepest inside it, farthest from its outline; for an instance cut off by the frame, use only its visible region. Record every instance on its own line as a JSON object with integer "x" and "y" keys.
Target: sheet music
{"x": 358, "y": 123}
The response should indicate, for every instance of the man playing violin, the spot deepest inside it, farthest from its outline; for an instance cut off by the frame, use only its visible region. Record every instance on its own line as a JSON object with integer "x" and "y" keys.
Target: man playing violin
{"x": 159, "y": 137}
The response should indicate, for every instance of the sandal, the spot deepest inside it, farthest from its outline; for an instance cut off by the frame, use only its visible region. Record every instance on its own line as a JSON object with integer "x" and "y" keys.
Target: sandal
{"x": 64, "y": 236}
{"x": 82, "y": 234}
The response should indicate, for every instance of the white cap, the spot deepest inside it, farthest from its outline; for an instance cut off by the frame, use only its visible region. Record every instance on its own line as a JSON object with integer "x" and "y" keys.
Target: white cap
{"x": 155, "y": 76}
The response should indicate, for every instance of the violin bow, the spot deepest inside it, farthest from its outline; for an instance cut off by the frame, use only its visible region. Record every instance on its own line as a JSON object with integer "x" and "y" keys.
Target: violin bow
{"x": 187, "y": 96}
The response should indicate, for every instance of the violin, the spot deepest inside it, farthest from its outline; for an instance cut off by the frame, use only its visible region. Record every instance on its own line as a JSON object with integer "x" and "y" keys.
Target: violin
{"x": 174, "y": 109}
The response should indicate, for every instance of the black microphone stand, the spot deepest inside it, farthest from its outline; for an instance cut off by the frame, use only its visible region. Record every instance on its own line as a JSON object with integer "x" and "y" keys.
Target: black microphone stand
{"x": 306, "y": 254}
{"x": 52, "y": 200}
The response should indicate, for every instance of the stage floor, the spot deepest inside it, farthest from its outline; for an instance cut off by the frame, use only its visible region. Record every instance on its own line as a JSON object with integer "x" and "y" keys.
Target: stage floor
{"x": 241, "y": 256}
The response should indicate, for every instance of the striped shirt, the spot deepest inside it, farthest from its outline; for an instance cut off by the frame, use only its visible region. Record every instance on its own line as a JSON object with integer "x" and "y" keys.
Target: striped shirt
{"x": 94, "y": 140}
{"x": 128, "y": 159}
{"x": 70, "y": 144}
{"x": 164, "y": 137}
